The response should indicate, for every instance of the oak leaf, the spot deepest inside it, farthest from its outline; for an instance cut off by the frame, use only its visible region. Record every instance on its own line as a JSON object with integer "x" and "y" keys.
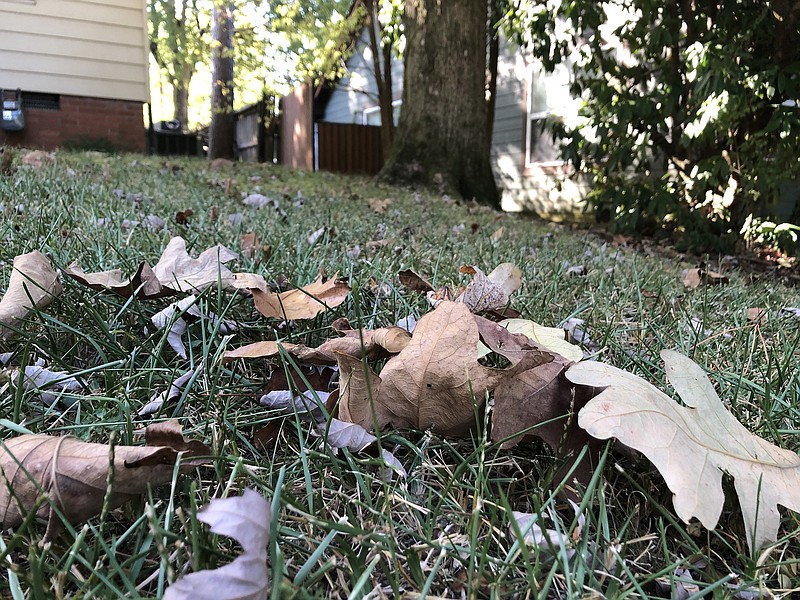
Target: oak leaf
{"x": 33, "y": 284}
{"x": 492, "y": 291}
{"x": 74, "y": 474}
{"x": 246, "y": 519}
{"x": 435, "y": 381}
{"x": 302, "y": 303}
{"x": 693, "y": 445}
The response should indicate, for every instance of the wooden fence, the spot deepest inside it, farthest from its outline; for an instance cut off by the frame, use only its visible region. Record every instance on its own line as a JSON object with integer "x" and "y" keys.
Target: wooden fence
{"x": 343, "y": 148}
{"x": 255, "y": 132}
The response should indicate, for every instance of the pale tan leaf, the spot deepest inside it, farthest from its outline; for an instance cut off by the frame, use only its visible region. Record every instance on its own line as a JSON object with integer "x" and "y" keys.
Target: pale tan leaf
{"x": 73, "y": 473}
{"x": 182, "y": 273}
{"x": 507, "y": 276}
{"x": 693, "y": 445}
{"x": 246, "y": 519}
{"x": 33, "y": 284}
{"x": 302, "y": 303}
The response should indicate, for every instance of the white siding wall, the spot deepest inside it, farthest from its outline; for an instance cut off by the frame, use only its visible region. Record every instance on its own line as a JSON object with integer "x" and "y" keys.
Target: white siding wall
{"x": 95, "y": 48}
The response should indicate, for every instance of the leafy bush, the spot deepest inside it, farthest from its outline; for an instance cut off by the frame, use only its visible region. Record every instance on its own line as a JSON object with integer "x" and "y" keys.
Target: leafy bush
{"x": 689, "y": 117}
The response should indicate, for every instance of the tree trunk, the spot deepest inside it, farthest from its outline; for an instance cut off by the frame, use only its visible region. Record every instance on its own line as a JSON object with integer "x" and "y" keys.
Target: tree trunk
{"x": 221, "y": 130}
{"x": 382, "y": 71}
{"x": 441, "y": 139}
{"x": 180, "y": 98}
{"x": 491, "y": 70}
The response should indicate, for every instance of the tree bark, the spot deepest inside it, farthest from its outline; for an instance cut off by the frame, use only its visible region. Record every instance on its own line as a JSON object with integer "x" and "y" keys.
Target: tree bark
{"x": 441, "y": 140}
{"x": 382, "y": 71}
{"x": 221, "y": 130}
{"x": 180, "y": 98}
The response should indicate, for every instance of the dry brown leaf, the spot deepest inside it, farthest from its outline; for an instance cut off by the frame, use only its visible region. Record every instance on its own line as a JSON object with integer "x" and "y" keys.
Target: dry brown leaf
{"x": 73, "y": 474}
{"x": 182, "y": 217}
{"x": 379, "y": 206}
{"x": 541, "y": 402}
{"x": 37, "y": 158}
{"x": 434, "y": 382}
{"x": 219, "y": 164}
{"x": 757, "y": 315}
{"x": 497, "y": 235}
{"x": 302, "y": 303}
{"x": 246, "y": 519}
{"x": 33, "y": 284}
{"x": 695, "y": 277}
{"x": 489, "y": 292}
{"x": 144, "y": 283}
{"x": 414, "y": 282}
{"x": 693, "y": 445}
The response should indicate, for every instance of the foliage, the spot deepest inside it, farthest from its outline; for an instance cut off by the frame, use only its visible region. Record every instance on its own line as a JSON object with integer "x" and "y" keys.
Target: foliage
{"x": 315, "y": 34}
{"x": 689, "y": 119}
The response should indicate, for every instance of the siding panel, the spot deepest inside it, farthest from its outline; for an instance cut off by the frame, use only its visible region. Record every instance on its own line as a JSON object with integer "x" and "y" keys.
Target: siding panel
{"x": 77, "y": 47}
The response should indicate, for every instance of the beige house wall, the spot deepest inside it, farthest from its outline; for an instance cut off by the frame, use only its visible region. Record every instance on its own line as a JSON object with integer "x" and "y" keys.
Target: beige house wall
{"x": 93, "y": 48}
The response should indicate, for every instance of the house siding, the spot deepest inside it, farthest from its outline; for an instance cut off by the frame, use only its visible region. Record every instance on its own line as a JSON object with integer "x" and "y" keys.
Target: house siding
{"x": 544, "y": 190}
{"x": 81, "y": 48}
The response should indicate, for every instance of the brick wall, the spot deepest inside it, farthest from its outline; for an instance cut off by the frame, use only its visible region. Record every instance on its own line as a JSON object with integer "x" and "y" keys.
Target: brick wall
{"x": 77, "y": 119}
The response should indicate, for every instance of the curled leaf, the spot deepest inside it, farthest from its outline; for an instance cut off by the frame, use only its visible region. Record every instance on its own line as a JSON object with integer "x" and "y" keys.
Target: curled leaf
{"x": 33, "y": 284}
{"x": 246, "y": 519}
{"x": 73, "y": 474}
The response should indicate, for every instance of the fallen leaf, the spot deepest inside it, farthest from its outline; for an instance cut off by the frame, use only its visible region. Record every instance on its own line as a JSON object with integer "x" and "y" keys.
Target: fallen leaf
{"x": 182, "y": 273}
{"x": 175, "y": 390}
{"x": 379, "y": 206}
{"x": 73, "y": 474}
{"x": 434, "y": 382}
{"x": 551, "y": 338}
{"x": 250, "y": 245}
{"x": 497, "y": 235}
{"x": 489, "y": 292}
{"x": 182, "y": 217}
{"x": 33, "y": 284}
{"x": 693, "y": 445}
{"x": 757, "y": 315}
{"x": 219, "y": 164}
{"x": 693, "y": 278}
{"x": 246, "y": 519}
{"x": 302, "y": 303}
{"x": 260, "y": 201}
{"x": 542, "y": 403}
{"x": 790, "y": 310}
{"x": 37, "y": 158}
{"x": 175, "y": 317}
{"x": 414, "y": 282}
{"x": 143, "y": 284}
{"x": 315, "y": 236}
{"x": 50, "y": 385}
{"x": 574, "y": 270}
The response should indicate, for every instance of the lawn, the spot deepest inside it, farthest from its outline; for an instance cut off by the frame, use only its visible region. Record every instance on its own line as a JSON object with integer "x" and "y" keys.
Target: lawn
{"x": 341, "y": 527}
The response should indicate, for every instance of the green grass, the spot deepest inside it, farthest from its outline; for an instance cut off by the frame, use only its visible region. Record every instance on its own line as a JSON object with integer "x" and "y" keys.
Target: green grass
{"x": 341, "y": 531}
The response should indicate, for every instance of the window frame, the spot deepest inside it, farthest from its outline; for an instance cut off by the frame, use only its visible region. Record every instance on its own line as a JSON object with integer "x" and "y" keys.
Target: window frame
{"x": 559, "y": 165}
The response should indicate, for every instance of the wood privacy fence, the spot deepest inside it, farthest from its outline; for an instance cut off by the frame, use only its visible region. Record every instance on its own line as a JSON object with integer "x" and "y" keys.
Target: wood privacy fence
{"x": 344, "y": 148}
{"x": 255, "y": 132}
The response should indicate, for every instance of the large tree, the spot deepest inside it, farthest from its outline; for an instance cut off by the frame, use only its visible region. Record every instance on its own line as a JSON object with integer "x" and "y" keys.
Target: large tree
{"x": 442, "y": 138}
{"x": 221, "y": 130}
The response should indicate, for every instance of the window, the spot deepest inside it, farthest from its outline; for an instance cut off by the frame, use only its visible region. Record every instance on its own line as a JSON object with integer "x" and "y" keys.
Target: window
{"x": 548, "y": 97}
